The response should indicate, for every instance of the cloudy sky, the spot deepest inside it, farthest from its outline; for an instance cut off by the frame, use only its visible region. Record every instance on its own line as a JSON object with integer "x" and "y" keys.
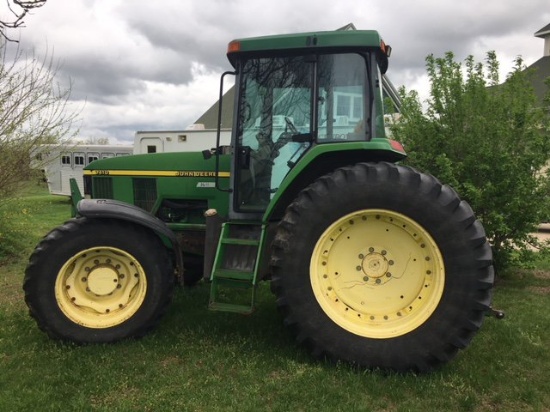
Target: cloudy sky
{"x": 155, "y": 65}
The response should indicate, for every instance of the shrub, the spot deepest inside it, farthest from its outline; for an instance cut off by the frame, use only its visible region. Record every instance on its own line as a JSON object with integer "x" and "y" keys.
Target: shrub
{"x": 490, "y": 141}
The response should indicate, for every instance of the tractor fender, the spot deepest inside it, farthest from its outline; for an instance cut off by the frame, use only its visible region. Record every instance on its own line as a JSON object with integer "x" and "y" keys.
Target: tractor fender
{"x": 113, "y": 209}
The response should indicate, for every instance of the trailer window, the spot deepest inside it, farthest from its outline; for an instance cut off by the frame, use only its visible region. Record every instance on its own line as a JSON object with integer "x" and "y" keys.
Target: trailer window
{"x": 79, "y": 159}
{"x": 92, "y": 157}
{"x": 66, "y": 159}
{"x": 107, "y": 155}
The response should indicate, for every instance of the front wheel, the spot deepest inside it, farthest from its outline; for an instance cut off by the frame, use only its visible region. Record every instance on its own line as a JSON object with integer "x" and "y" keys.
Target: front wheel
{"x": 399, "y": 270}
{"x": 98, "y": 281}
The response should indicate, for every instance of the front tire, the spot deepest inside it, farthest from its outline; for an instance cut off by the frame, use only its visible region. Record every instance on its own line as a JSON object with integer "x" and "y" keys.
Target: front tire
{"x": 92, "y": 281}
{"x": 399, "y": 275}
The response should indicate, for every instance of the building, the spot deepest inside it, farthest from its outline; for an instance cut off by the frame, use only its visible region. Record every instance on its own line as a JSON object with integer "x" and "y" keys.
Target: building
{"x": 542, "y": 66}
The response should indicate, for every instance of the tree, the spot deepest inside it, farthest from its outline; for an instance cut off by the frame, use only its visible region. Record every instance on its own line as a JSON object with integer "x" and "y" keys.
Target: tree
{"x": 18, "y": 14}
{"x": 490, "y": 141}
{"x": 33, "y": 111}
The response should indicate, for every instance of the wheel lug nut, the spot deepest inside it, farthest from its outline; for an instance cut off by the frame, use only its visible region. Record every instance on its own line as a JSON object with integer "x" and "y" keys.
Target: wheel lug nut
{"x": 391, "y": 262}
{"x": 358, "y": 268}
{"x": 361, "y": 256}
{"x": 383, "y": 252}
{"x": 371, "y": 249}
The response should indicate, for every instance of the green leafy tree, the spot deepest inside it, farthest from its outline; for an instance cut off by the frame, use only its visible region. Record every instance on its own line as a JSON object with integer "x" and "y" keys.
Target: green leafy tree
{"x": 490, "y": 141}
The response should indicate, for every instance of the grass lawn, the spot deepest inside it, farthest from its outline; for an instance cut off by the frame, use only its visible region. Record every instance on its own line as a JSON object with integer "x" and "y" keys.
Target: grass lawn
{"x": 208, "y": 361}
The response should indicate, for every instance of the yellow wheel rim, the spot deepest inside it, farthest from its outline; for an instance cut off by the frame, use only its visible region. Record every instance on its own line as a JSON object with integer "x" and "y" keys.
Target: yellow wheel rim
{"x": 377, "y": 273}
{"x": 100, "y": 287}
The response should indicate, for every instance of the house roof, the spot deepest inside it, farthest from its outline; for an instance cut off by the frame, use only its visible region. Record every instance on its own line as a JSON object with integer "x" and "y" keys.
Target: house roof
{"x": 210, "y": 117}
{"x": 540, "y": 73}
{"x": 543, "y": 32}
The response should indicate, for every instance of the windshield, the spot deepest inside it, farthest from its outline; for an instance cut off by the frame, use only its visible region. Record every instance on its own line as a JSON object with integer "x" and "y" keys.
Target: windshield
{"x": 277, "y": 120}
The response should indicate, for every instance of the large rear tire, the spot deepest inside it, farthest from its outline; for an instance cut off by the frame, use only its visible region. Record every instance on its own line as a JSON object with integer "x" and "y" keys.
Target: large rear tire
{"x": 383, "y": 267}
{"x": 92, "y": 281}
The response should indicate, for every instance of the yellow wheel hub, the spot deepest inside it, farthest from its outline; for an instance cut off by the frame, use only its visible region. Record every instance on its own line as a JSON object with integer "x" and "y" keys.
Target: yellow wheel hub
{"x": 377, "y": 273}
{"x": 100, "y": 287}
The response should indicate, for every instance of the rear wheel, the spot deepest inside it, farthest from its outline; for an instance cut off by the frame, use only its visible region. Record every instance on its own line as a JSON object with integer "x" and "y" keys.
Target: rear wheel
{"x": 98, "y": 281}
{"x": 382, "y": 285}
{"x": 399, "y": 274}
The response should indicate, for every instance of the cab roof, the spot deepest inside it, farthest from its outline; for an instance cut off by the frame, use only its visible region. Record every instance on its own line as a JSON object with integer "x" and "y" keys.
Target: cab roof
{"x": 356, "y": 39}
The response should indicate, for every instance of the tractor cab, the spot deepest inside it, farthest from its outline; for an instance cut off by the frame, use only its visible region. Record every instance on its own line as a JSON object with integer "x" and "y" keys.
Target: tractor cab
{"x": 297, "y": 92}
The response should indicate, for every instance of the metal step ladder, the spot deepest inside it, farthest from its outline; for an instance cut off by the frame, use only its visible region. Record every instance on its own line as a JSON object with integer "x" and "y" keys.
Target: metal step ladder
{"x": 236, "y": 266}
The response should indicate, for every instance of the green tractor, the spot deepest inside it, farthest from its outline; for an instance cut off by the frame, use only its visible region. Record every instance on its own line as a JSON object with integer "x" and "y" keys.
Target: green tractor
{"x": 371, "y": 262}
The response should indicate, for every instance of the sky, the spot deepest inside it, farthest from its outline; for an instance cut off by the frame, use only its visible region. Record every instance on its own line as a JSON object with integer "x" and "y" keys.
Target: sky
{"x": 155, "y": 65}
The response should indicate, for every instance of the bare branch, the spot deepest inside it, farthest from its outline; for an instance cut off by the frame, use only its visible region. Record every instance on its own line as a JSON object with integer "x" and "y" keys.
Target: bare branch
{"x": 26, "y": 6}
{"x": 34, "y": 110}
{"x": 31, "y": 4}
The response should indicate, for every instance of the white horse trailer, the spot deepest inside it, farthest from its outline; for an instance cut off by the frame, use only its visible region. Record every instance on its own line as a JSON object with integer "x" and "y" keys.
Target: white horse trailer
{"x": 195, "y": 139}
{"x": 61, "y": 163}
